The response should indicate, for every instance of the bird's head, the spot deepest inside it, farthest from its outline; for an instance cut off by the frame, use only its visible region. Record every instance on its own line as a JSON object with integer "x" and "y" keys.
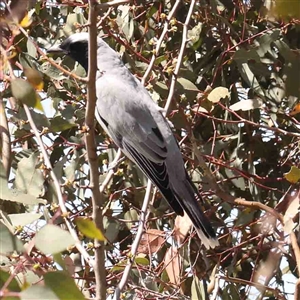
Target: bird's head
{"x": 75, "y": 46}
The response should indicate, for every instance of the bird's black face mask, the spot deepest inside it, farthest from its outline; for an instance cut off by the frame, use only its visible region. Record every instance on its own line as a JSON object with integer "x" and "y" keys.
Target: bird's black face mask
{"x": 79, "y": 52}
{"x": 76, "y": 50}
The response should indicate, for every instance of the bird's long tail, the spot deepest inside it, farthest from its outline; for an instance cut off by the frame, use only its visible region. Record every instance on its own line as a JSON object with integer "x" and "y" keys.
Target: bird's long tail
{"x": 187, "y": 196}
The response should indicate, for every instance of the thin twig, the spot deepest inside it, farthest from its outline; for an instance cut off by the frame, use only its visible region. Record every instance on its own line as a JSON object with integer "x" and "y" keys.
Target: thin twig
{"x": 252, "y": 283}
{"x": 159, "y": 42}
{"x": 181, "y": 53}
{"x": 97, "y": 197}
{"x": 259, "y": 205}
{"x": 274, "y": 129}
{"x": 111, "y": 172}
{"x": 143, "y": 219}
{"x": 212, "y": 180}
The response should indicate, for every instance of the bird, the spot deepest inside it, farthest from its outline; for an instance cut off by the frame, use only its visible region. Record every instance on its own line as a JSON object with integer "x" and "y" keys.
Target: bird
{"x": 136, "y": 124}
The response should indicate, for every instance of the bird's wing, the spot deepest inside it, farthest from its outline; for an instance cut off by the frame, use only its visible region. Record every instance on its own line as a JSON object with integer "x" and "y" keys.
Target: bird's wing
{"x": 134, "y": 130}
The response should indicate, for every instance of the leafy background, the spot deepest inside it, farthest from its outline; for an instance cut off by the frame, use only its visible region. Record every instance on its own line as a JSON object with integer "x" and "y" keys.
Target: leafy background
{"x": 234, "y": 95}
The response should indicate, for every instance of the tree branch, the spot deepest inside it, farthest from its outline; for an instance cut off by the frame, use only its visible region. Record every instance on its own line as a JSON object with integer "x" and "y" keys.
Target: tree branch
{"x": 97, "y": 197}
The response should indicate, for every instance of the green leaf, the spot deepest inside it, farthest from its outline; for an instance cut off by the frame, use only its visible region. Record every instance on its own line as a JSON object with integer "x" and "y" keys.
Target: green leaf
{"x": 160, "y": 59}
{"x": 266, "y": 40}
{"x": 120, "y": 266}
{"x": 241, "y": 57}
{"x": 30, "y": 278}
{"x": 89, "y": 228}
{"x": 9, "y": 243}
{"x": 187, "y": 87}
{"x": 293, "y": 176}
{"x": 17, "y": 196}
{"x": 52, "y": 71}
{"x": 72, "y": 22}
{"x": 142, "y": 261}
{"x": 38, "y": 292}
{"x": 187, "y": 84}
{"x": 23, "y": 219}
{"x": 63, "y": 286}
{"x": 245, "y": 217}
{"x": 59, "y": 259}
{"x": 111, "y": 229}
{"x": 24, "y": 92}
{"x": 194, "y": 34}
{"x": 125, "y": 21}
{"x": 31, "y": 48}
{"x": 52, "y": 239}
{"x": 13, "y": 286}
{"x": 60, "y": 124}
{"x": 29, "y": 178}
{"x": 197, "y": 290}
{"x": 70, "y": 169}
{"x": 131, "y": 215}
{"x": 14, "y": 194}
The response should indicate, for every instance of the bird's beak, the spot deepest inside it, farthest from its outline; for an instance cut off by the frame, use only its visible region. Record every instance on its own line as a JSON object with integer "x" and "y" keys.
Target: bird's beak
{"x": 56, "y": 49}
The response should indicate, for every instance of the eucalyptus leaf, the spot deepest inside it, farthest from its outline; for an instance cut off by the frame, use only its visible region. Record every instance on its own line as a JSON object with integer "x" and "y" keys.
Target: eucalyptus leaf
{"x": 13, "y": 285}
{"x": 63, "y": 285}
{"x": 23, "y": 219}
{"x": 197, "y": 290}
{"x": 38, "y": 292}
{"x": 29, "y": 177}
{"x": 9, "y": 242}
{"x": 52, "y": 239}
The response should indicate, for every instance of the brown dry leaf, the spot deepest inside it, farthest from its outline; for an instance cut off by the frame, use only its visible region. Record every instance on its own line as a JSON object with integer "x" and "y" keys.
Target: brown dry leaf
{"x": 172, "y": 264}
{"x": 182, "y": 227}
{"x": 152, "y": 240}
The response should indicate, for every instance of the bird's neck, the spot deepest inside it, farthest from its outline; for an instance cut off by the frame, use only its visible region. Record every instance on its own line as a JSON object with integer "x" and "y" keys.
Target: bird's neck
{"x": 108, "y": 60}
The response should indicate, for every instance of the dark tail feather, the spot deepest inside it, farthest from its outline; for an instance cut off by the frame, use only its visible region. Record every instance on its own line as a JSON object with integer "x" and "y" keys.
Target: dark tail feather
{"x": 190, "y": 205}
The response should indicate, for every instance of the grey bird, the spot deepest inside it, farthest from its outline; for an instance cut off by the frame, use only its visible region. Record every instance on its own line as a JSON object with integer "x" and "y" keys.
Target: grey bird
{"x": 135, "y": 123}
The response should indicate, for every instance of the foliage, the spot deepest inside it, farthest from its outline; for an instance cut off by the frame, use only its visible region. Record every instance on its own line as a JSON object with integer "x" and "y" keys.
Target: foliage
{"x": 236, "y": 97}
